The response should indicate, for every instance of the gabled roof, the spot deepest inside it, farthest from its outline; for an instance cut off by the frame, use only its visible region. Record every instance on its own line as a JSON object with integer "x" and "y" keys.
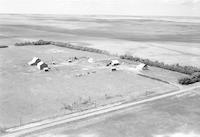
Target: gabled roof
{"x": 141, "y": 66}
{"x": 34, "y": 61}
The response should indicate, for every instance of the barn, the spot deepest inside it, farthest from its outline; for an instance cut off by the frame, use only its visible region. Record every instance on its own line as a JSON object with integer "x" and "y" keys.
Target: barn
{"x": 34, "y": 61}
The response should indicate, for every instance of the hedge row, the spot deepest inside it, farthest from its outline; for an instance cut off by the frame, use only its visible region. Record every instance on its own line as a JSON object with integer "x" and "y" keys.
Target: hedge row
{"x": 71, "y": 46}
{"x": 175, "y": 67}
{"x": 195, "y": 77}
{"x": 62, "y": 44}
{"x": 3, "y": 46}
{"x": 39, "y": 42}
{"x": 194, "y": 72}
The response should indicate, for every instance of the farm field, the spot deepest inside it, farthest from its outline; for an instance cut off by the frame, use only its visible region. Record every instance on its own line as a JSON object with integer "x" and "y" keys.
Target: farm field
{"x": 168, "y": 39}
{"x": 28, "y": 94}
{"x": 176, "y": 116}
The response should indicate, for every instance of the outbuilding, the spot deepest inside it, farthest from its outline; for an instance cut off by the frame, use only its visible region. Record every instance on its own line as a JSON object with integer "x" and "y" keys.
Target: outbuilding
{"x": 142, "y": 66}
{"x": 113, "y": 69}
{"x": 42, "y": 66}
{"x": 113, "y": 63}
{"x": 34, "y": 61}
{"x": 90, "y": 60}
{"x": 70, "y": 60}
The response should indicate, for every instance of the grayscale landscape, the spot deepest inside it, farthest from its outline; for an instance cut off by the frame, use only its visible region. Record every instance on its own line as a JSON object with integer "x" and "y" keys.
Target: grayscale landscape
{"x": 168, "y": 39}
{"x": 153, "y": 90}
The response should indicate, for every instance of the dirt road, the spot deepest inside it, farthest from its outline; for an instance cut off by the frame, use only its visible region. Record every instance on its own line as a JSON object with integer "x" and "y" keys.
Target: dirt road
{"x": 19, "y": 131}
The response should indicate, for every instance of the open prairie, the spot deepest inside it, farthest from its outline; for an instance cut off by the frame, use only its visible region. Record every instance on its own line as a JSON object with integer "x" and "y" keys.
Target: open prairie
{"x": 168, "y": 39}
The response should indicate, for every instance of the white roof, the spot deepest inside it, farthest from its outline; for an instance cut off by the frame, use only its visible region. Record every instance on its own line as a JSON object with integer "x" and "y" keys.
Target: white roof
{"x": 114, "y": 61}
{"x": 90, "y": 60}
{"x": 140, "y": 66}
{"x": 33, "y": 60}
{"x": 40, "y": 63}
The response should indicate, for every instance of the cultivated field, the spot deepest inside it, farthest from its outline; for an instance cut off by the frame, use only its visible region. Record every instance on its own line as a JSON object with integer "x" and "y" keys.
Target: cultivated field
{"x": 168, "y": 39}
{"x": 28, "y": 94}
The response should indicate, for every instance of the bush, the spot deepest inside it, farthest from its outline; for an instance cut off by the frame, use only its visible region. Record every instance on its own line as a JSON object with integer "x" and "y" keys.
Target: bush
{"x": 185, "y": 81}
{"x": 3, "y": 46}
{"x": 195, "y": 77}
{"x": 39, "y": 42}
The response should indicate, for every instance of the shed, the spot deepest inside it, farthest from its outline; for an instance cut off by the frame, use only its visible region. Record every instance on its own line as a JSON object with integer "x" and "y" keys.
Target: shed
{"x": 113, "y": 69}
{"x": 142, "y": 66}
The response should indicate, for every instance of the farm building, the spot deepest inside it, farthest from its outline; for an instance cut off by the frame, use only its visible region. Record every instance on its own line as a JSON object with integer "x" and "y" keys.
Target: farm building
{"x": 70, "y": 60}
{"x": 113, "y": 69}
{"x": 42, "y": 66}
{"x": 142, "y": 67}
{"x": 34, "y": 61}
{"x": 90, "y": 60}
{"x": 113, "y": 63}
